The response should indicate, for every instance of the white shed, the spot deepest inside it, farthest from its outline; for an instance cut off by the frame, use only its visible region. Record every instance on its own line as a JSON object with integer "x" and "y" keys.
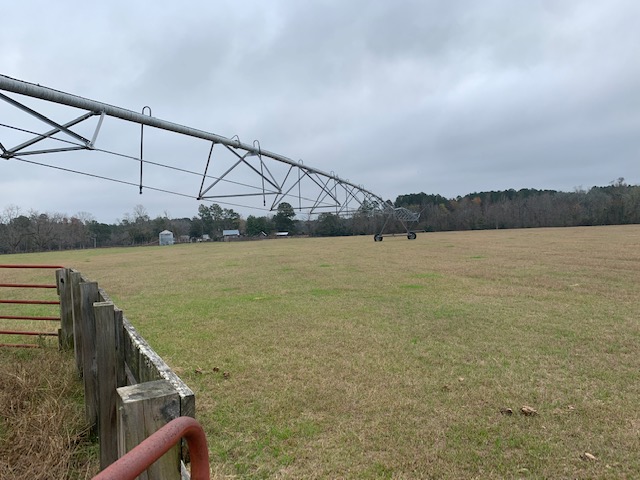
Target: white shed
{"x": 166, "y": 238}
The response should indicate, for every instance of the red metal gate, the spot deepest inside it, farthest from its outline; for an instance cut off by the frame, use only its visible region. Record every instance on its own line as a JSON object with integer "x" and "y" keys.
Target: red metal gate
{"x": 16, "y": 288}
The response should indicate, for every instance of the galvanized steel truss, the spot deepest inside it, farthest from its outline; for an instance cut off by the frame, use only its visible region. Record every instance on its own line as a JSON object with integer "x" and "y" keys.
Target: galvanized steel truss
{"x": 309, "y": 189}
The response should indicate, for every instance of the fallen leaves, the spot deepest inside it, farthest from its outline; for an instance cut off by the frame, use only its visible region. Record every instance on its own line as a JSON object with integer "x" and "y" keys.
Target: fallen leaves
{"x": 529, "y": 411}
{"x": 525, "y": 410}
{"x": 200, "y": 371}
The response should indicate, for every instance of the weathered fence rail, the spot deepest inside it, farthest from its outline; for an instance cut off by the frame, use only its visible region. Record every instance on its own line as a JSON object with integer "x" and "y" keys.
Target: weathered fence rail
{"x": 130, "y": 392}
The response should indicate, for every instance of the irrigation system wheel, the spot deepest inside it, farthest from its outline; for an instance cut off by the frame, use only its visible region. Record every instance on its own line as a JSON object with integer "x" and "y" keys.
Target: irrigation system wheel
{"x": 377, "y": 237}
{"x": 411, "y": 235}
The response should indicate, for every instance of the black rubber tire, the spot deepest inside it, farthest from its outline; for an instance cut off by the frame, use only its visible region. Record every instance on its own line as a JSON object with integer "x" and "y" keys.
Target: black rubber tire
{"x": 377, "y": 237}
{"x": 411, "y": 235}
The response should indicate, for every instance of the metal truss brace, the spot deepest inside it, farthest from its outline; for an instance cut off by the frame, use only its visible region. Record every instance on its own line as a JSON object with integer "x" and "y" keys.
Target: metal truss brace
{"x": 86, "y": 144}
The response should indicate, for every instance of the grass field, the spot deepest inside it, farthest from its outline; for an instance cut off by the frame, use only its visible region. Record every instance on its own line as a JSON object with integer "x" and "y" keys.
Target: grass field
{"x": 348, "y": 358}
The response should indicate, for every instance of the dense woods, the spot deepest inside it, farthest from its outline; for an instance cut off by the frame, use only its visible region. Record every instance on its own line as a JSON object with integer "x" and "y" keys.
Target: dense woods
{"x": 617, "y": 203}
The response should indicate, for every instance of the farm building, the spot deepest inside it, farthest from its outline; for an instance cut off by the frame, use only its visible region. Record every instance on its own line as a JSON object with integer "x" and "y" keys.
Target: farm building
{"x": 230, "y": 235}
{"x": 166, "y": 238}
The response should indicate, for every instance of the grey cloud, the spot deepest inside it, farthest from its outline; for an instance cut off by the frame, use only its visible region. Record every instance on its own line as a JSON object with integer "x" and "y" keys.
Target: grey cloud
{"x": 437, "y": 96}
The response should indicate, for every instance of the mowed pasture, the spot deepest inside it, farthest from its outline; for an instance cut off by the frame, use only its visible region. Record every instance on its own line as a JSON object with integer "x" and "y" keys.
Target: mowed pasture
{"x": 347, "y": 358}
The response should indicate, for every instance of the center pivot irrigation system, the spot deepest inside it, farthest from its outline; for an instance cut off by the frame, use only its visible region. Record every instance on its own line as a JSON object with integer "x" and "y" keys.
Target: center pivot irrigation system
{"x": 275, "y": 177}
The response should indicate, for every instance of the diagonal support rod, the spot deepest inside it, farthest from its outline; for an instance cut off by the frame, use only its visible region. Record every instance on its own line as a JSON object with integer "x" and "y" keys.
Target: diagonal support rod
{"x": 48, "y": 134}
{"x": 44, "y": 119}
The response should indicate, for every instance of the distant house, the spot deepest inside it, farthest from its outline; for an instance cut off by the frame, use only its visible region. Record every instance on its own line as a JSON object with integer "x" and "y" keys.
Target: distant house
{"x": 166, "y": 238}
{"x": 228, "y": 235}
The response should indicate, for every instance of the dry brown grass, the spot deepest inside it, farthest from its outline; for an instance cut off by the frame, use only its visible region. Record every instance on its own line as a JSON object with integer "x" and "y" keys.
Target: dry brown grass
{"x": 42, "y": 431}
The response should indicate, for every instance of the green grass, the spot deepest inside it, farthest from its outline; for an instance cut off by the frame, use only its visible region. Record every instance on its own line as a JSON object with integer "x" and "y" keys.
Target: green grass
{"x": 349, "y": 358}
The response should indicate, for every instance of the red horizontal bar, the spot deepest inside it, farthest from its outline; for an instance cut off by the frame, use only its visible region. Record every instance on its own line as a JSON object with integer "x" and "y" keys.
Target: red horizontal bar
{"x": 12, "y": 332}
{"x": 26, "y": 285}
{"x": 32, "y": 302}
{"x": 13, "y": 317}
{"x": 30, "y": 266}
{"x": 19, "y": 345}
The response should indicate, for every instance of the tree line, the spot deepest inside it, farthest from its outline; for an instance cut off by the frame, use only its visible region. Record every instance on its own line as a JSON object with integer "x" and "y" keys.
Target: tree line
{"x": 617, "y": 203}
{"x": 34, "y": 231}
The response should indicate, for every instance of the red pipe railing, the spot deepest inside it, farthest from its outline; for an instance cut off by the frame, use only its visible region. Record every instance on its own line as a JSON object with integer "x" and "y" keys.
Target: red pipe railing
{"x": 12, "y": 265}
{"x": 32, "y": 302}
{"x": 152, "y": 448}
{"x": 14, "y": 332}
{"x": 28, "y": 302}
{"x": 26, "y": 285}
{"x": 27, "y": 317}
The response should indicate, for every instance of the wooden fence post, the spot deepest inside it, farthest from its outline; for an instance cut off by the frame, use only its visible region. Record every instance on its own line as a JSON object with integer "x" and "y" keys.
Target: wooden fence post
{"x": 106, "y": 356}
{"x": 65, "y": 339}
{"x": 110, "y": 353}
{"x": 76, "y": 302}
{"x": 121, "y": 377}
{"x": 89, "y": 295}
{"x": 143, "y": 409}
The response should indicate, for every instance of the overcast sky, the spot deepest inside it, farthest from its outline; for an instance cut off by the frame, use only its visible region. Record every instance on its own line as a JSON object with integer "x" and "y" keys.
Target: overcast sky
{"x": 444, "y": 97}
